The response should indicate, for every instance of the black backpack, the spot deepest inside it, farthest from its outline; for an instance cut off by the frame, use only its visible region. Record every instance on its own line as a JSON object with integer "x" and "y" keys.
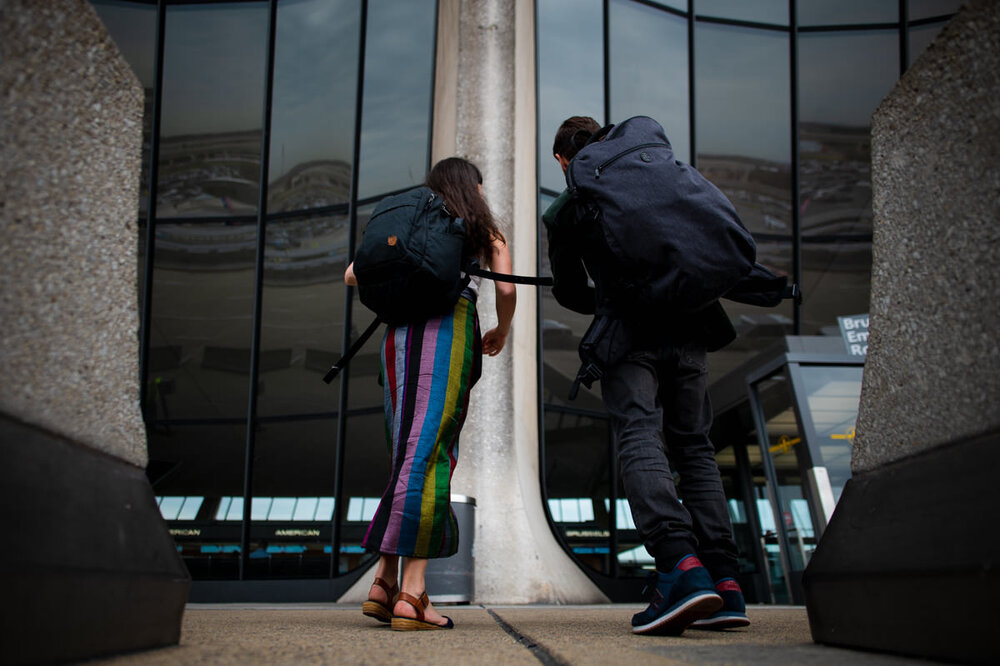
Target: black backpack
{"x": 677, "y": 241}
{"x": 410, "y": 264}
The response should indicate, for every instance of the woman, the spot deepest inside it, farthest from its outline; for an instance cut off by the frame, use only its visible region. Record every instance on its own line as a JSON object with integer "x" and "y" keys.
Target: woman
{"x": 429, "y": 369}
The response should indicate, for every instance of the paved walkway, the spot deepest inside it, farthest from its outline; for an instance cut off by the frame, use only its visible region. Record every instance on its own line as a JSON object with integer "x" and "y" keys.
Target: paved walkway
{"x": 495, "y": 635}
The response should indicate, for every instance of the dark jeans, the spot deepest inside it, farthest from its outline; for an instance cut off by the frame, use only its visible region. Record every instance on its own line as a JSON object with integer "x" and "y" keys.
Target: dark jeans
{"x": 660, "y": 410}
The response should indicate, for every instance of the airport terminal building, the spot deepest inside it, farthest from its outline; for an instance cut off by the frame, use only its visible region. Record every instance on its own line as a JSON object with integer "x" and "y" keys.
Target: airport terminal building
{"x": 271, "y": 130}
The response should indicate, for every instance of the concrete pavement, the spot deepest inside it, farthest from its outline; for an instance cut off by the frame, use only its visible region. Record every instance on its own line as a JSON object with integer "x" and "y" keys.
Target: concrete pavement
{"x": 529, "y": 635}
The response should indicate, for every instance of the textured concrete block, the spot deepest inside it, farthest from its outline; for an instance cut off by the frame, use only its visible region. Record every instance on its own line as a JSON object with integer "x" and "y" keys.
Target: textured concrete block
{"x": 906, "y": 564}
{"x": 933, "y": 369}
{"x": 70, "y": 141}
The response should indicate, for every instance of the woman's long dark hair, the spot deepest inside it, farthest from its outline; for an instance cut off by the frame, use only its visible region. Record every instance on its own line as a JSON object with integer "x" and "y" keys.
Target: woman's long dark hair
{"x": 457, "y": 181}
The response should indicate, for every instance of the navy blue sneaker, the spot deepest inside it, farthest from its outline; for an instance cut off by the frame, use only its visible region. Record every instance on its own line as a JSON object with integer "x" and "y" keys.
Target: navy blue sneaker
{"x": 733, "y": 613}
{"x": 682, "y": 596}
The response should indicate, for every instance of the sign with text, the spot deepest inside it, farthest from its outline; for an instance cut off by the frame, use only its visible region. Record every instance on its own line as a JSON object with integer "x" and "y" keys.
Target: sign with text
{"x": 854, "y": 330}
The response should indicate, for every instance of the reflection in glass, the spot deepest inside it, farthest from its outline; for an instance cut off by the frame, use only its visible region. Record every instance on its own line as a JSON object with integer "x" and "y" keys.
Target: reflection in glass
{"x": 570, "y": 74}
{"x": 195, "y": 469}
{"x": 366, "y": 473}
{"x": 203, "y": 283}
{"x": 132, "y": 26}
{"x": 312, "y": 121}
{"x": 844, "y": 12}
{"x": 832, "y": 395}
{"x": 921, "y": 9}
{"x": 366, "y": 391}
{"x": 759, "y": 11}
{"x": 302, "y": 313}
{"x": 399, "y": 76}
{"x": 294, "y": 473}
{"x": 577, "y": 484}
{"x": 920, "y": 38}
{"x": 843, "y": 77}
{"x": 213, "y": 83}
{"x": 649, "y": 70}
{"x": 790, "y": 457}
{"x": 743, "y": 115}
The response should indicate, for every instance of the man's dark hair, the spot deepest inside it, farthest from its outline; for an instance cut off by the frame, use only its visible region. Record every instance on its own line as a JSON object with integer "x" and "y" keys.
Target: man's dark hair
{"x": 573, "y": 134}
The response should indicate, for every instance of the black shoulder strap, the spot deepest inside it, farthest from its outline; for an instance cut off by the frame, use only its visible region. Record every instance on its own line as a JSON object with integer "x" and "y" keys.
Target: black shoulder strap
{"x": 355, "y": 348}
{"x": 472, "y": 268}
{"x": 504, "y": 277}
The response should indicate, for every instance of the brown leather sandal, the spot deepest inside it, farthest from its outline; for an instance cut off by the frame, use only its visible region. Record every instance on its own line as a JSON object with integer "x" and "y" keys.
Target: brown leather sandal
{"x": 378, "y": 610}
{"x": 400, "y": 623}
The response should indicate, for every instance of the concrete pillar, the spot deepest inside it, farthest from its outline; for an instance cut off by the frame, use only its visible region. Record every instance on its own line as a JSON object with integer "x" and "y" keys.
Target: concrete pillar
{"x": 485, "y": 112}
{"x": 87, "y": 566}
{"x": 910, "y": 562}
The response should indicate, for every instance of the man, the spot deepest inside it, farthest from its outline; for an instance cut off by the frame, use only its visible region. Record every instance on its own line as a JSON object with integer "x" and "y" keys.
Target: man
{"x": 654, "y": 386}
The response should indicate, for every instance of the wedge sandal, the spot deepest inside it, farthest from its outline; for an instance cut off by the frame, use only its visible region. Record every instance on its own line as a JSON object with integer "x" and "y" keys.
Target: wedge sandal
{"x": 400, "y": 623}
{"x": 378, "y": 610}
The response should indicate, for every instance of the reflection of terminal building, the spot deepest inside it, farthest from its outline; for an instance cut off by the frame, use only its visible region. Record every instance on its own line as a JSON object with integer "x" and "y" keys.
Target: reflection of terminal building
{"x": 302, "y": 467}
{"x": 213, "y": 174}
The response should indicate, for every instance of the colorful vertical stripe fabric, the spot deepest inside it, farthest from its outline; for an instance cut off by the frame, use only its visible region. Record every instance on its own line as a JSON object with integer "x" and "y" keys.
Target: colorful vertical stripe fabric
{"x": 428, "y": 371}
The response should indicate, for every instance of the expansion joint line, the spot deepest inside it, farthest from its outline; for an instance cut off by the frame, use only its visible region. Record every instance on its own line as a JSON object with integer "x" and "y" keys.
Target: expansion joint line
{"x": 539, "y": 652}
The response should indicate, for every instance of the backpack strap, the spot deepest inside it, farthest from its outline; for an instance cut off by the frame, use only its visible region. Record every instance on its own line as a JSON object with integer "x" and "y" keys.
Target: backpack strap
{"x": 355, "y": 348}
{"x": 516, "y": 279}
{"x": 472, "y": 268}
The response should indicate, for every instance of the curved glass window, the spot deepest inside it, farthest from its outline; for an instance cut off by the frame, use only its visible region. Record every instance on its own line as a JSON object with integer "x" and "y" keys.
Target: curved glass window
{"x": 213, "y": 93}
{"x": 649, "y": 70}
{"x": 843, "y": 77}
{"x": 752, "y": 98}
{"x": 210, "y": 338}
{"x": 743, "y": 93}
{"x": 399, "y": 76}
{"x": 922, "y": 9}
{"x": 315, "y": 79}
{"x": 846, "y": 12}
{"x": 760, "y": 11}
{"x": 570, "y": 74}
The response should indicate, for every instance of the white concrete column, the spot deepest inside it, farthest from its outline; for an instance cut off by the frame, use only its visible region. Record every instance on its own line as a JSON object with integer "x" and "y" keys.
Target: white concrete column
{"x": 485, "y": 112}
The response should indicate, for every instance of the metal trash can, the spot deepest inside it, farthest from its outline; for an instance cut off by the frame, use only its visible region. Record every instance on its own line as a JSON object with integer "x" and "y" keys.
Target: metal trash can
{"x": 451, "y": 580}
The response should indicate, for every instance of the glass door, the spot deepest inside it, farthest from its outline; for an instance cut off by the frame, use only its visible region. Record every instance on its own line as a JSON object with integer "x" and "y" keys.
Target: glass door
{"x": 780, "y": 465}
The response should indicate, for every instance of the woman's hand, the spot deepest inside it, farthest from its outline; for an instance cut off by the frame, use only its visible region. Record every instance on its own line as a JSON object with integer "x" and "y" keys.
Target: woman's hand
{"x": 494, "y": 340}
{"x": 349, "y": 277}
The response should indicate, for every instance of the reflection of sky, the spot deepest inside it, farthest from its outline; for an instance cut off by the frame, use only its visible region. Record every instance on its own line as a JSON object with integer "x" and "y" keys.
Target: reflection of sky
{"x": 919, "y": 9}
{"x": 133, "y": 28}
{"x": 213, "y": 68}
{"x": 649, "y": 70}
{"x": 315, "y": 79}
{"x": 760, "y": 11}
{"x": 743, "y": 92}
{"x": 570, "y": 73}
{"x": 826, "y": 12}
{"x": 397, "y": 98}
{"x": 843, "y": 76}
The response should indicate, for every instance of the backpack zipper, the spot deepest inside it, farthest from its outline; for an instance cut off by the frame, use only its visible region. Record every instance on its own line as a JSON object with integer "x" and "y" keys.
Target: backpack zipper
{"x": 601, "y": 167}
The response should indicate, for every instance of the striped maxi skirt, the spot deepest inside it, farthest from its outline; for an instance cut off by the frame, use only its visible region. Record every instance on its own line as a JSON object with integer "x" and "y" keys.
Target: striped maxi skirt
{"x": 428, "y": 371}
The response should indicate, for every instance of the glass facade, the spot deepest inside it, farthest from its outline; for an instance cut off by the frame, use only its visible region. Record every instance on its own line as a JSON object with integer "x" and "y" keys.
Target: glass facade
{"x": 246, "y": 307}
{"x": 272, "y": 128}
{"x": 772, "y": 102}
